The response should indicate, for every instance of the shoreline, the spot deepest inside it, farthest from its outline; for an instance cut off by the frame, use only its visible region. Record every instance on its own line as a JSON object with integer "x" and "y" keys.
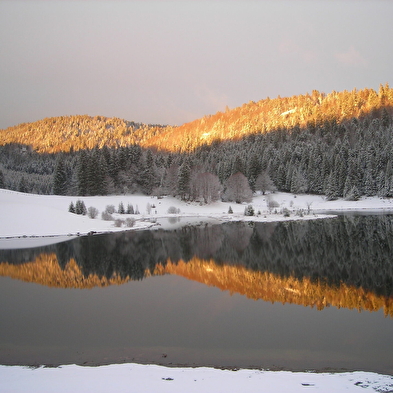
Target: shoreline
{"x": 133, "y": 377}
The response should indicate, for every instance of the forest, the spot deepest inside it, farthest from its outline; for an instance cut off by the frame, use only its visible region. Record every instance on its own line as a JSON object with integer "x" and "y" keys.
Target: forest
{"x": 338, "y": 144}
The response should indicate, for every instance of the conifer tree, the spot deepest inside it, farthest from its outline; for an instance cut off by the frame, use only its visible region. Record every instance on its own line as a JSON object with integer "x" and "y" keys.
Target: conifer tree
{"x": 130, "y": 209}
{"x": 183, "y": 184}
{"x": 83, "y": 186}
{"x": 71, "y": 208}
{"x": 22, "y": 185}
{"x": 80, "y": 207}
{"x": 2, "y": 181}
{"x": 60, "y": 178}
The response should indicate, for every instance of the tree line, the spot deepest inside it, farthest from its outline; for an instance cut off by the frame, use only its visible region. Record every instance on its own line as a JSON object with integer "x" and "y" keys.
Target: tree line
{"x": 349, "y": 158}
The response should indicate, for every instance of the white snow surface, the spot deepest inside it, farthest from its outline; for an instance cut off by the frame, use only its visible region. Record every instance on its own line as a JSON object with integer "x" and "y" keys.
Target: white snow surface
{"x": 130, "y": 377}
{"x": 30, "y": 215}
{"x": 42, "y": 219}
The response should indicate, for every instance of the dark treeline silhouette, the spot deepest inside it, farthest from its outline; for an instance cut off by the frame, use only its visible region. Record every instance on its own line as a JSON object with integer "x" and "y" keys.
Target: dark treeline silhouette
{"x": 354, "y": 250}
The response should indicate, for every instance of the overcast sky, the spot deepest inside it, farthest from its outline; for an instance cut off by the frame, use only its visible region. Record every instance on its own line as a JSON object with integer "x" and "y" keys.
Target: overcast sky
{"x": 171, "y": 62}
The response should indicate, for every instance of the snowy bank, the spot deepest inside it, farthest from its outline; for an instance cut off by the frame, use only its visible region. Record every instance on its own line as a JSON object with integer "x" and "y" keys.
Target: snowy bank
{"x": 150, "y": 378}
{"x": 29, "y": 215}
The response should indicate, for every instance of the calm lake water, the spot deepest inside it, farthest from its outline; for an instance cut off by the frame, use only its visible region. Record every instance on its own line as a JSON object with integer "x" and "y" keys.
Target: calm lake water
{"x": 296, "y": 295}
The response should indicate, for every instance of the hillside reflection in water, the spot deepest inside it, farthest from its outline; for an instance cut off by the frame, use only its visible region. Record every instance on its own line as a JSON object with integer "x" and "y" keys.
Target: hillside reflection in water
{"x": 343, "y": 262}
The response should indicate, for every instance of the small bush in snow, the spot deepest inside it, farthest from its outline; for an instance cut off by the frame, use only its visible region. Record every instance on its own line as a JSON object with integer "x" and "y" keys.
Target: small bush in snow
{"x": 286, "y": 212}
{"x": 271, "y": 204}
{"x": 173, "y": 210}
{"x": 92, "y": 212}
{"x": 148, "y": 208}
{"x": 130, "y": 209}
{"x": 300, "y": 213}
{"x": 230, "y": 211}
{"x": 129, "y": 222}
{"x": 106, "y": 216}
{"x": 137, "y": 210}
{"x": 110, "y": 209}
{"x": 118, "y": 222}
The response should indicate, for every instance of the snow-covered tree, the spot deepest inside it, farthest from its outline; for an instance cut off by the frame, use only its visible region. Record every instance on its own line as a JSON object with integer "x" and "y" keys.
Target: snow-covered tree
{"x": 60, "y": 178}
{"x": 264, "y": 183}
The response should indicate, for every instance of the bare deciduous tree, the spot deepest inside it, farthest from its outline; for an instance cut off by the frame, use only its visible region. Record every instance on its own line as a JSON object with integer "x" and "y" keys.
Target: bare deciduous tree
{"x": 238, "y": 189}
{"x": 206, "y": 186}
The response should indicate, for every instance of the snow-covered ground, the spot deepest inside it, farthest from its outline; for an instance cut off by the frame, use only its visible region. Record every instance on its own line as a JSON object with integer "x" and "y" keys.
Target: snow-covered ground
{"x": 47, "y": 215}
{"x": 38, "y": 217}
{"x": 159, "y": 379}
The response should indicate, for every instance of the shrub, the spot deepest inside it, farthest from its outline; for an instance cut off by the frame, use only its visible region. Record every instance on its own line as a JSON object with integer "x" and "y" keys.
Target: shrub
{"x": 118, "y": 222}
{"x": 286, "y": 212}
{"x": 271, "y": 204}
{"x": 173, "y": 210}
{"x": 110, "y": 209}
{"x": 230, "y": 211}
{"x": 106, "y": 216}
{"x": 92, "y": 212}
{"x": 129, "y": 222}
{"x": 300, "y": 213}
{"x": 148, "y": 208}
{"x": 137, "y": 210}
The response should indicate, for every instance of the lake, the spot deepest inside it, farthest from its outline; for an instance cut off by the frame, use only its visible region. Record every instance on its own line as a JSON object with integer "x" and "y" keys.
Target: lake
{"x": 295, "y": 295}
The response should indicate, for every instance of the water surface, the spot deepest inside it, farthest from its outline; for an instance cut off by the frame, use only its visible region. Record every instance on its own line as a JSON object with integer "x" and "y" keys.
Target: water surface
{"x": 297, "y": 295}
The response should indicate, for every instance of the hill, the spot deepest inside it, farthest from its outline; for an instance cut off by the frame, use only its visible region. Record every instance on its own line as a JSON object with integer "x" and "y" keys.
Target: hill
{"x": 67, "y": 133}
{"x": 308, "y": 111}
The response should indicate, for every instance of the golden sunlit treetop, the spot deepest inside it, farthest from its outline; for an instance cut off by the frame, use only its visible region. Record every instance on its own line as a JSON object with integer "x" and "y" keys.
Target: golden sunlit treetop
{"x": 67, "y": 133}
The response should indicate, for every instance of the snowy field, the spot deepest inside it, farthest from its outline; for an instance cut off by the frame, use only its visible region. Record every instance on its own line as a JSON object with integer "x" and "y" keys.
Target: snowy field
{"x": 38, "y": 218}
{"x": 158, "y": 379}
{"x": 32, "y": 215}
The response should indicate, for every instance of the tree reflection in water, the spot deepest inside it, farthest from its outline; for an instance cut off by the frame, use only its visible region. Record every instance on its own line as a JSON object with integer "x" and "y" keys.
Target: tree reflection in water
{"x": 345, "y": 262}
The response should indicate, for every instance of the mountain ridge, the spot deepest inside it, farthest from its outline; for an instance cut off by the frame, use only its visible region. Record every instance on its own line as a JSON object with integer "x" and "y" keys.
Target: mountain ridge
{"x": 76, "y": 132}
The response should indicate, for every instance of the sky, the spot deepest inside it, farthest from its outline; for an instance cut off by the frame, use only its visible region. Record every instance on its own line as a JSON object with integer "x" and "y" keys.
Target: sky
{"x": 171, "y": 62}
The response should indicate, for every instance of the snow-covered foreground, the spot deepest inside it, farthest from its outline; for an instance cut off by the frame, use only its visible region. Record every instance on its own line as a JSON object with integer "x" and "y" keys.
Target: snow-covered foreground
{"x": 150, "y": 378}
{"x": 47, "y": 215}
{"x": 45, "y": 219}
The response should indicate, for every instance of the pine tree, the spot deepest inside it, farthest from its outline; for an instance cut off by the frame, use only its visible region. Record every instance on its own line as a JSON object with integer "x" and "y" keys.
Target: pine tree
{"x": 71, "y": 208}
{"x": 331, "y": 187}
{"x": 60, "y": 178}
{"x": 298, "y": 183}
{"x": 22, "y": 187}
{"x": 238, "y": 166}
{"x": 183, "y": 183}
{"x": 147, "y": 178}
{"x": 254, "y": 169}
{"x": 2, "y": 181}
{"x": 80, "y": 207}
{"x": 83, "y": 185}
